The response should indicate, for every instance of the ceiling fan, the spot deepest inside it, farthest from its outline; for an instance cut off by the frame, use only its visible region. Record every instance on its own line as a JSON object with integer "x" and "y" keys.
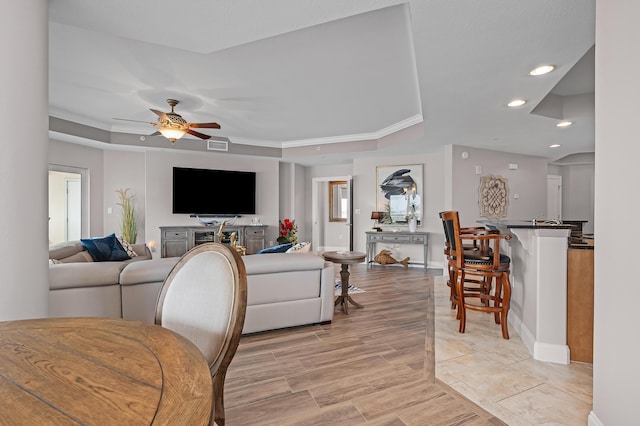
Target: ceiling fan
{"x": 172, "y": 126}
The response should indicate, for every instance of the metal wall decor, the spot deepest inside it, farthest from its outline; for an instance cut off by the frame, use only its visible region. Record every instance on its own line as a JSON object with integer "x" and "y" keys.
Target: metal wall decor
{"x": 493, "y": 197}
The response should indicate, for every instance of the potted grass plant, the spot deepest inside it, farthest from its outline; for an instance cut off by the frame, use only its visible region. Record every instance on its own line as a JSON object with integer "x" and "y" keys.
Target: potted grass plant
{"x": 129, "y": 224}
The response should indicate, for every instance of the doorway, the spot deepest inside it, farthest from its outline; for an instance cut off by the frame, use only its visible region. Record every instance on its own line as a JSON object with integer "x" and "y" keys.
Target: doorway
{"x": 329, "y": 234}
{"x": 554, "y": 197}
{"x": 68, "y": 204}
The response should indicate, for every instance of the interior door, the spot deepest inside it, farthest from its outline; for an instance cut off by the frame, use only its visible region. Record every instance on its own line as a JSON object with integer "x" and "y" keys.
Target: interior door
{"x": 73, "y": 213}
{"x": 326, "y": 235}
{"x": 554, "y": 197}
{"x": 350, "y": 212}
{"x": 68, "y": 203}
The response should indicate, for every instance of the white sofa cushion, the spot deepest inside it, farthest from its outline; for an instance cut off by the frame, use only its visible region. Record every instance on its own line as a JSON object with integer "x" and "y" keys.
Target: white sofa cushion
{"x": 283, "y": 286}
{"x": 147, "y": 272}
{"x": 86, "y": 274}
{"x": 278, "y": 262}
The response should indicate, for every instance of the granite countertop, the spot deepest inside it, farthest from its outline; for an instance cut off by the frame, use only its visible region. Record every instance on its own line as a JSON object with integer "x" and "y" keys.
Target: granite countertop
{"x": 585, "y": 243}
{"x": 528, "y": 224}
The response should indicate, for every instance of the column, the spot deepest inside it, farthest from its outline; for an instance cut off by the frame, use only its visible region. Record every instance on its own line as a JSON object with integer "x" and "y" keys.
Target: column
{"x": 24, "y": 108}
{"x": 539, "y": 298}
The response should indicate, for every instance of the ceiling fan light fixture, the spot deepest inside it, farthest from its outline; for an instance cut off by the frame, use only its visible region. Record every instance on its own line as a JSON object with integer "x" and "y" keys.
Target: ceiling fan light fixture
{"x": 171, "y": 133}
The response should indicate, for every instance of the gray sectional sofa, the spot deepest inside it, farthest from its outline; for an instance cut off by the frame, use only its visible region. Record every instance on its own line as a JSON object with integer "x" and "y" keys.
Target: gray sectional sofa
{"x": 284, "y": 289}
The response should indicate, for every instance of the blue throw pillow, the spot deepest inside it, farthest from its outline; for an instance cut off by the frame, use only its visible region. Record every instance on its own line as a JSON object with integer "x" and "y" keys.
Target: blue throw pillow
{"x": 281, "y": 248}
{"x": 105, "y": 249}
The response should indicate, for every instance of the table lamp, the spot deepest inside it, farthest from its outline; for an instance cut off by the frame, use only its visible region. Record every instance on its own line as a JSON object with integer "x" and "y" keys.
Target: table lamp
{"x": 376, "y": 216}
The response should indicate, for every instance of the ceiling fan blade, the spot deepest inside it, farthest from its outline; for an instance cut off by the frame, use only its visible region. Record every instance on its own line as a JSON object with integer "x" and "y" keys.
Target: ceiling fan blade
{"x": 204, "y": 125}
{"x": 160, "y": 114}
{"x": 155, "y": 134}
{"x": 198, "y": 134}
{"x": 135, "y": 121}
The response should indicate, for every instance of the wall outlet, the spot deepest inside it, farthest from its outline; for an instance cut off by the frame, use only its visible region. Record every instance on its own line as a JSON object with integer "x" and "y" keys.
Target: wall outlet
{"x": 109, "y": 210}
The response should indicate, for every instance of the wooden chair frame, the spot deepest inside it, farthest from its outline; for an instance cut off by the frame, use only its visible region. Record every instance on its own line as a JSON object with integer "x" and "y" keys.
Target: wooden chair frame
{"x": 488, "y": 264}
{"x": 219, "y": 364}
{"x": 477, "y": 249}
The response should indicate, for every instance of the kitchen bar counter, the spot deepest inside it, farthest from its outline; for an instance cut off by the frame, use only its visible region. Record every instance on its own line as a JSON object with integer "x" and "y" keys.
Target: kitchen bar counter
{"x": 524, "y": 224}
{"x": 539, "y": 285}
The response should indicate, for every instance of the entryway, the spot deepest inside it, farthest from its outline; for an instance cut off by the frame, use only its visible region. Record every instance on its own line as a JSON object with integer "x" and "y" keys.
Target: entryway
{"x": 330, "y": 234}
{"x": 68, "y": 211}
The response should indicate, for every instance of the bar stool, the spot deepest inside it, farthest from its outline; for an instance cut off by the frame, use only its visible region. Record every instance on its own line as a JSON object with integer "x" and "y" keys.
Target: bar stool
{"x": 473, "y": 250}
{"x": 489, "y": 266}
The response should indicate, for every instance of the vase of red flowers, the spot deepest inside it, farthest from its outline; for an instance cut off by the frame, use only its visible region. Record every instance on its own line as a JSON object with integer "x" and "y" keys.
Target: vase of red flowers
{"x": 288, "y": 230}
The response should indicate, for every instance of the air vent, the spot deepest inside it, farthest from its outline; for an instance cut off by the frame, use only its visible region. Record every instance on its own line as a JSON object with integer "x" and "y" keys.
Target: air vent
{"x": 217, "y": 145}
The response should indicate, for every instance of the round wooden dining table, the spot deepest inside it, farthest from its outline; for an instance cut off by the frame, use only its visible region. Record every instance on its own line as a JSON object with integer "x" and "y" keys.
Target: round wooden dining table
{"x": 100, "y": 371}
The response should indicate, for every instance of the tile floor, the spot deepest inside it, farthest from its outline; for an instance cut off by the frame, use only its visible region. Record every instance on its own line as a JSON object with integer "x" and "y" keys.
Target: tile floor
{"x": 501, "y": 376}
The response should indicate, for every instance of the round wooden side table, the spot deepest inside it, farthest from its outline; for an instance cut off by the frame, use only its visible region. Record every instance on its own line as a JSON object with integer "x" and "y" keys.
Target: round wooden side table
{"x": 345, "y": 258}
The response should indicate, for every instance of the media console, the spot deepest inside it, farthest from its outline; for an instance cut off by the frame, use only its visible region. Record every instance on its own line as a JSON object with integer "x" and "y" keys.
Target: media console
{"x": 177, "y": 240}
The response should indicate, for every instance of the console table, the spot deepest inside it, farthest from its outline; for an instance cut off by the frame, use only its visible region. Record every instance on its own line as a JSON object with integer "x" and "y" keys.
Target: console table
{"x": 402, "y": 237}
{"x": 177, "y": 240}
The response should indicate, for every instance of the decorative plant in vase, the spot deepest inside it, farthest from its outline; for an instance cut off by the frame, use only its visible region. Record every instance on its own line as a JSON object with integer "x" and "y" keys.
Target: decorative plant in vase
{"x": 129, "y": 225}
{"x": 288, "y": 230}
{"x": 412, "y": 219}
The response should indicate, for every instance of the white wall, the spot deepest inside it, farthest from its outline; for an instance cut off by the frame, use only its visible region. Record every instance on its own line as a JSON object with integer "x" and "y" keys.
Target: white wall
{"x": 301, "y": 210}
{"x": 158, "y": 195}
{"x": 365, "y": 190}
{"x": 529, "y": 181}
{"x": 124, "y": 169}
{"x": 578, "y": 194}
{"x": 616, "y": 371}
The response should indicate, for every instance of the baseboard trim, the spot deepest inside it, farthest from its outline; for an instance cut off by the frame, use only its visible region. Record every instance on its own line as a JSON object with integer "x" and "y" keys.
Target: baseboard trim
{"x": 593, "y": 420}
{"x": 525, "y": 335}
{"x": 548, "y": 352}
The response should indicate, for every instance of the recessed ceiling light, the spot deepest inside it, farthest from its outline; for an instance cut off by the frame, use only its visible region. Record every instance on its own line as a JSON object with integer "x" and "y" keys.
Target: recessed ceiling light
{"x": 564, "y": 124}
{"x": 516, "y": 103}
{"x": 555, "y": 145}
{"x": 544, "y": 69}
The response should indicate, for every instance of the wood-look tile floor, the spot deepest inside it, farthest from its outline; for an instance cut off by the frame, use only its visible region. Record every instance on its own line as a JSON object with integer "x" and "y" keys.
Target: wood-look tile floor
{"x": 374, "y": 366}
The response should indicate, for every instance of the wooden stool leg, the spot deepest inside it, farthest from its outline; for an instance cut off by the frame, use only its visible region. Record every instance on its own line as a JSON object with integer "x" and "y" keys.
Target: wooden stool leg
{"x": 506, "y": 299}
{"x": 497, "y": 299}
{"x": 452, "y": 285}
{"x": 486, "y": 288}
{"x": 460, "y": 295}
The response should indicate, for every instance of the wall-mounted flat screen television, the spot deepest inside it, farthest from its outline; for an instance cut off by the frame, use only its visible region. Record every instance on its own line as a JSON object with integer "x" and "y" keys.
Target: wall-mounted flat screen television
{"x": 206, "y": 192}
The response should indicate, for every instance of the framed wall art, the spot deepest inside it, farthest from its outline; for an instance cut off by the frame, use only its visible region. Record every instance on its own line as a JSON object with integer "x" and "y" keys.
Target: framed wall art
{"x": 399, "y": 193}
